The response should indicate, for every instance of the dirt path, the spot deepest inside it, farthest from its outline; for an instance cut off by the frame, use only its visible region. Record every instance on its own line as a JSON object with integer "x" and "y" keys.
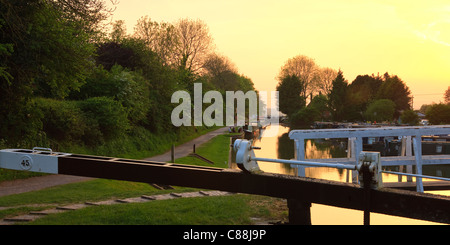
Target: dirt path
{"x": 37, "y": 183}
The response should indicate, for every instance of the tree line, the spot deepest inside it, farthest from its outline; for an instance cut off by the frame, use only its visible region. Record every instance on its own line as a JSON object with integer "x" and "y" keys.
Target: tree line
{"x": 331, "y": 97}
{"x": 68, "y": 75}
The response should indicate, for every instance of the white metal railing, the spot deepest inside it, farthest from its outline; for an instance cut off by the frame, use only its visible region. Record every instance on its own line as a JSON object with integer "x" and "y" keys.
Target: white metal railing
{"x": 355, "y": 138}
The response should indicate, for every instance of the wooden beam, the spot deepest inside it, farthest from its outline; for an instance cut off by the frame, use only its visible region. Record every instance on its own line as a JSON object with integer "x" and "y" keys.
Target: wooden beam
{"x": 308, "y": 190}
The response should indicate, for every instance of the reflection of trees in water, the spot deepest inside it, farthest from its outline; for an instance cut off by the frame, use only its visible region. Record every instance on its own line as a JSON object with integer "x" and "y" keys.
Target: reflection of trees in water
{"x": 318, "y": 148}
{"x": 286, "y": 149}
{"x": 322, "y": 149}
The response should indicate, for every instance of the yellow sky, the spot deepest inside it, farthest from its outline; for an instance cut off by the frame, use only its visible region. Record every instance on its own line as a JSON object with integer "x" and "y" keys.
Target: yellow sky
{"x": 410, "y": 39}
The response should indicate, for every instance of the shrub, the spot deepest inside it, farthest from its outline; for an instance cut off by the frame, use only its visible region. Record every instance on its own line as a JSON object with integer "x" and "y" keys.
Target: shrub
{"x": 305, "y": 117}
{"x": 62, "y": 120}
{"x": 125, "y": 86}
{"x": 109, "y": 115}
{"x": 410, "y": 117}
{"x": 438, "y": 114}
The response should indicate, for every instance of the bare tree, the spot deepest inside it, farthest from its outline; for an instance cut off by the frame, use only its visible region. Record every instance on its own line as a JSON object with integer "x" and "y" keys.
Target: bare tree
{"x": 184, "y": 44}
{"x": 304, "y": 68}
{"x": 324, "y": 80}
{"x": 193, "y": 43}
{"x": 160, "y": 37}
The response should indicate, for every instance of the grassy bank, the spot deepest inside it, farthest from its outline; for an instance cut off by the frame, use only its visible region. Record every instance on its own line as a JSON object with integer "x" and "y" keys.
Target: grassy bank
{"x": 235, "y": 209}
{"x": 221, "y": 210}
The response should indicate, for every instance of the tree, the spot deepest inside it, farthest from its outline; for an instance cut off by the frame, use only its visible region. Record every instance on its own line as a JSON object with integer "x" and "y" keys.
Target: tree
{"x": 6, "y": 49}
{"x": 393, "y": 88}
{"x": 320, "y": 103}
{"x": 119, "y": 31}
{"x": 447, "y": 95}
{"x": 324, "y": 80}
{"x": 302, "y": 67}
{"x": 89, "y": 15}
{"x": 289, "y": 97}
{"x": 438, "y": 114}
{"x": 410, "y": 117}
{"x": 193, "y": 43}
{"x": 360, "y": 93}
{"x": 337, "y": 97}
{"x": 113, "y": 53}
{"x": 380, "y": 110}
{"x": 221, "y": 72}
{"x": 48, "y": 52}
{"x": 246, "y": 84}
{"x": 159, "y": 37}
{"x": 216, "y": 64}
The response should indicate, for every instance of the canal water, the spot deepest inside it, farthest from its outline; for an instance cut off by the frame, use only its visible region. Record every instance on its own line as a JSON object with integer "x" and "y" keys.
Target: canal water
{"x": 275, "y": 143}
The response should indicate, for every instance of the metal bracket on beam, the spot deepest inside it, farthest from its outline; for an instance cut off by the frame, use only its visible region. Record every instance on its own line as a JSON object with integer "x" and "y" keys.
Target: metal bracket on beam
{"x": 369, "y": 169}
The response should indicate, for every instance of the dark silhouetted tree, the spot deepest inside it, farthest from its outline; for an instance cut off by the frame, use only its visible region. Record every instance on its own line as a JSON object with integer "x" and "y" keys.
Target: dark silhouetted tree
{"x": 337, "y": 97}
{"x": 289, "y": 98}
{"x": 393, "y": 88}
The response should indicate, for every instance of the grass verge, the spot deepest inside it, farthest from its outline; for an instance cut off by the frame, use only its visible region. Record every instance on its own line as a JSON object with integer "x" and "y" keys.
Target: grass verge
{"x": 222, "y": 210}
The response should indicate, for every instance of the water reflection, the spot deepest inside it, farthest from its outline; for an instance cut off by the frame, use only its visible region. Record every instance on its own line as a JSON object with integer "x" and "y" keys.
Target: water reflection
{"x": 281, "y": 147}
{"x": 278, "y": 146}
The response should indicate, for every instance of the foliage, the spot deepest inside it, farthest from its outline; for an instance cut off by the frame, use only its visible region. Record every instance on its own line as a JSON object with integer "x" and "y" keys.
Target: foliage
{"x": 410, "y": 117}
{"x": 113, "y": 53}
{"x": 438, "y": 114}
{"x": 393, "y": 88}
{"x": 62, "y": 120}
{"x": 361, "y": 92}
{"x": 380, "y": 110}
{"x": 290, "y": 89}
{"x": 161, "y": 38}
{"x": 127, "y": 87}
{"x": 337, "y": 97}
{"x": 108, "y": 114}
{"x": 320, "y": 103}
{"x": 305, "y": 117}
{"x": 44, "y": 53}
{"x": 6, "y": 49}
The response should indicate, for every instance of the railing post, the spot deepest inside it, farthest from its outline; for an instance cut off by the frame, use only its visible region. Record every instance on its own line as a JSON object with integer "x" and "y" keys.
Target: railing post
{"x": 406, "y": 151}
{"x": 357, "y": 148}
{"x": 417, "y": 142}
{"x": 300, "y": 155}
{"x": 350, "y": 149}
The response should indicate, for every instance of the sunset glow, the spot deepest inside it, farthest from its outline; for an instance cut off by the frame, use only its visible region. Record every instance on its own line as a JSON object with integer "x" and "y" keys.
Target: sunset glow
{"x": 410, "y": 39}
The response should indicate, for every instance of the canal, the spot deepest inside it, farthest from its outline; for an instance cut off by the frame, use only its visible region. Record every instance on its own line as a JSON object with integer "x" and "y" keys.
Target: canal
{"x": 275, "y": 143}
